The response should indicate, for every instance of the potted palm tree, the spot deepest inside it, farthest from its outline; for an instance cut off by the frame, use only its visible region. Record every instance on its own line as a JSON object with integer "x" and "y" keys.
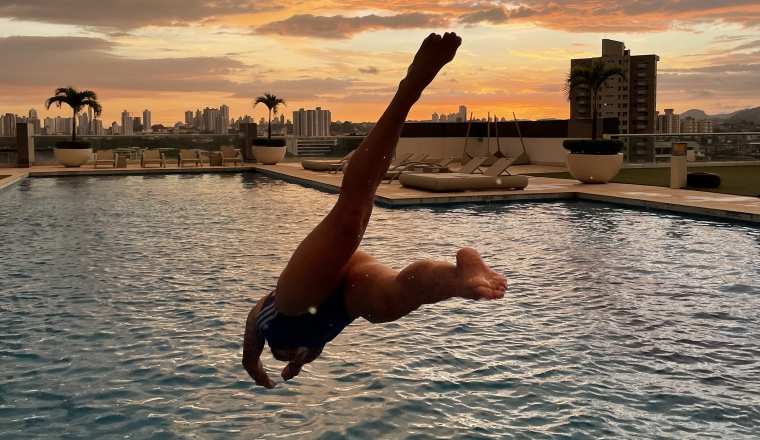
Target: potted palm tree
{"x": 269, "y": 151}
{"x": 593, "y": 160}
{"x": 74, "y": 153}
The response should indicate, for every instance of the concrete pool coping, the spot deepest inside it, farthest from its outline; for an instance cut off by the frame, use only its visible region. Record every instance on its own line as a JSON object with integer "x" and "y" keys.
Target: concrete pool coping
{"x": 394, "y": 195}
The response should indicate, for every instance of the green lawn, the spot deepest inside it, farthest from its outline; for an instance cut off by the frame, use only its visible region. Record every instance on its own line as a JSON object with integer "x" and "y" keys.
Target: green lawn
{"x": 738, "y": 180}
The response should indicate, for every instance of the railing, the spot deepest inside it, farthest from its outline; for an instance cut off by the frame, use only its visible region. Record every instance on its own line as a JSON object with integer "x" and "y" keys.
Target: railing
{"x": 132, "y": 146}
{"x": 701, "y": 147}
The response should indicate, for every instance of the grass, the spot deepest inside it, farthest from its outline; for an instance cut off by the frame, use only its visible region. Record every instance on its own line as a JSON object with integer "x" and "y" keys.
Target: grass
{"x": 736, "y": 180}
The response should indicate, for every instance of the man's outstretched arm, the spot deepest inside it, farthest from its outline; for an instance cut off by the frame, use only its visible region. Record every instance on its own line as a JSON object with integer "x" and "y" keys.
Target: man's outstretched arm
{"x": 253, "y": 346}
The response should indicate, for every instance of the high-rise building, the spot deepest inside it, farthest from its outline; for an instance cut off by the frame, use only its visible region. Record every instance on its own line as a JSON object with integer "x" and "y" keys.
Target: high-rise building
{"x": 312, "y": 122}
{"x": 147, "y": 123}
{"x": 462, "y": 113}
{"x": 223, "y": 122}
{"x": 126, "y": 124}
{"x": 8, "y": 125}
{"x": 691, "y": 125}
{"x": 669, "y": 122}
{"x": 633, "y": 101}
{"x": 83, "y": 123}
{"x": 96, "y": 127}
{"x": 189, "y": 120}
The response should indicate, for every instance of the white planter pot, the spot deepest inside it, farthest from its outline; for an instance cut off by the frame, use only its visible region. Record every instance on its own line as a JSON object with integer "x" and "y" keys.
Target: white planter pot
{"x": 594, "y": 168}
{"x": 72, "y": 157}
{"x": 268, "y": 155}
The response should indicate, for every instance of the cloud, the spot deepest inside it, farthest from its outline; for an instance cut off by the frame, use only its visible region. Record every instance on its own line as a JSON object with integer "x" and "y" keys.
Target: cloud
{"x": 340, "y": 27}
{"x": 495, "y": 15}
{"x": 89, "y": 63}
{"x": 370, "y": 70}
{"x": 127, "y": 15}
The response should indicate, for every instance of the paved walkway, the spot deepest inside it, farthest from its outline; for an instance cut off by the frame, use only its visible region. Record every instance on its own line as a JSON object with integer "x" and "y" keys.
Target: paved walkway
{"x": 394, "y": 195}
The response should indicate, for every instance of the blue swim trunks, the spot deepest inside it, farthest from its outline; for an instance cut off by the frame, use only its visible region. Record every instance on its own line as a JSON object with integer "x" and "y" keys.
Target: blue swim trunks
{"x": 307, "y": 330}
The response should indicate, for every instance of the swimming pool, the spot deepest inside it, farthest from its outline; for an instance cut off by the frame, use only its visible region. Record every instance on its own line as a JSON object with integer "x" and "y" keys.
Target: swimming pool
{"x": 123, "y": 300}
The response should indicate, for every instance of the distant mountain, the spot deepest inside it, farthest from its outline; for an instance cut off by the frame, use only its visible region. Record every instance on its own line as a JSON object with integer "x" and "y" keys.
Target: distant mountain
{"x": 699, "y": 114}
{"x": 751, "y": 115}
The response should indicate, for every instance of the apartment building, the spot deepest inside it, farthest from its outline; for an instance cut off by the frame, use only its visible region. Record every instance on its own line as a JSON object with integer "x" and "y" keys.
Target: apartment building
{"x": 633, "y": 101}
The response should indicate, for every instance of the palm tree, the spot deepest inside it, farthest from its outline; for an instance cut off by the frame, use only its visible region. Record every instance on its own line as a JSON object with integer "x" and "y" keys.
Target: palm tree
{"x": 272, "y": 102}
{"x": 77, "y": 101}
{"x": 594, "y": 77}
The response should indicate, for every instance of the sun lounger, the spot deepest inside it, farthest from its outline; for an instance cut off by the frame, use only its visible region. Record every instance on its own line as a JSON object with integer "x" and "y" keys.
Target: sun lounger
{"x": 445, "y": 182}
{"x": 189, "y": 155}
{"x": 441, "y": 166}
{"x": 326, "y": 164}
{"x": 153, "y": 157}
{"x": 105, "y": 157}
{"x": 399, "y": 160}
{"x": 230, "y": 154}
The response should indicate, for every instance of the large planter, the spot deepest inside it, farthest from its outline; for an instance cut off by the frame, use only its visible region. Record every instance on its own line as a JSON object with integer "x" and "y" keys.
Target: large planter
{"x": 593, "y": 168}
{"x": 268, "y": 155}
{"x": 72, "y": 157}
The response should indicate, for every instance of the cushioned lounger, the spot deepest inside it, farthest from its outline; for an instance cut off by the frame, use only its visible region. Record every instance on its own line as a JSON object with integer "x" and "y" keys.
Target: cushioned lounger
{"x": 461, "y": 182}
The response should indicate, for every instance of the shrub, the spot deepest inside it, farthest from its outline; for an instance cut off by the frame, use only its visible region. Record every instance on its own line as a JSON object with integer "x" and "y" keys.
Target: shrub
{"x": 75, "y": 145}
{"x": 264, "y": 142}
{"x": 588, "y": 146}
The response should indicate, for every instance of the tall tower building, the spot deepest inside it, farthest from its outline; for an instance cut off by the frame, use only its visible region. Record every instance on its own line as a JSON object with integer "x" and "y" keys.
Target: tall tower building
{"x": 126, "y": 123}
{"x": 462, "y": 113}
{"x": 669, "y": 122}
{"x": 632, "y": 102}
{"x": 147, "y": 122}
{"x": 189, "y": 120}
{"x": 224, "y": 120}
{"x": 312, "y": 122}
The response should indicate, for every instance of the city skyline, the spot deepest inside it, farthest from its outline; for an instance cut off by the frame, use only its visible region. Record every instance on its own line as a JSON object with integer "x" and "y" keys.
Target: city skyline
{"x": 179, "y": 56}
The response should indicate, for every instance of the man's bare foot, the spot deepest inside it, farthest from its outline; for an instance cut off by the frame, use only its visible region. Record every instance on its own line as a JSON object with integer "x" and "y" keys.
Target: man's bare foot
{"x": 435, "y": 52}
{"x": 478, "y": 281}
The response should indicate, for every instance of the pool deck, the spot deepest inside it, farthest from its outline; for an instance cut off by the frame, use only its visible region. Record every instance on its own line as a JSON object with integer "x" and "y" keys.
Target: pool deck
{"x": 394, "y": 195}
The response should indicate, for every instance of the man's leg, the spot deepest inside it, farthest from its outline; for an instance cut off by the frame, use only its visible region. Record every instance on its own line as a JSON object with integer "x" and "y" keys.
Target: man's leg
{"x": 380, "y": 294}
{"x": 317, "y": 267}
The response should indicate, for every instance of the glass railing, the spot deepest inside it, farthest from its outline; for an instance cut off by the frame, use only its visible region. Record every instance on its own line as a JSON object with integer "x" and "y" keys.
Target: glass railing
{"x": 132, "y": 146}
{"x": 700, "y": 147}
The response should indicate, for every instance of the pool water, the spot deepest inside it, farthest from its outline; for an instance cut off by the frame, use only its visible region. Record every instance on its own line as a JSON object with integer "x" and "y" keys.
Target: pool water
{"x": 123, "y": 302}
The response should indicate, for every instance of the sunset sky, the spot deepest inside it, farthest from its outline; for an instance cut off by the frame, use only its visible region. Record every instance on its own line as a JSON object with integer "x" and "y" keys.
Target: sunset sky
{"x": 347, "y": 56}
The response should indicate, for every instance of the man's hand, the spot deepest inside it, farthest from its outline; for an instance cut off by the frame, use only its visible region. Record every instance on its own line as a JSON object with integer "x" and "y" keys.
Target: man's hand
{"x": 253, "y": 345}
{"x": 257, "y": 373}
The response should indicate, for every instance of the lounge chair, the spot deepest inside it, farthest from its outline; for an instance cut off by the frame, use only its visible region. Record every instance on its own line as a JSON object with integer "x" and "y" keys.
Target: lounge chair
{"x": 230, "y": 154}
{"x": 105, "y": 157}
{"x": 153, "y": 157}
{"x": 189, "y": 155}
{"x": 492, "y": 178}
{"x": 326, "y": 164}
{"x": 441, "y": 166}
{"x": 398, "y": 161}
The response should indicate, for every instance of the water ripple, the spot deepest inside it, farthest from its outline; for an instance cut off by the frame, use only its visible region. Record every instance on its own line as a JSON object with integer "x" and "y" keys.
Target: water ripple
{"x": 123, "y": 301}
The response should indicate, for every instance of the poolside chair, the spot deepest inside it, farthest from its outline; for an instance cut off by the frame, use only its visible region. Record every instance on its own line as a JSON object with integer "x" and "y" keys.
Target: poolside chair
{"x": 230, "y": 154}
{"x": 105, "y": 157}
{"x": 442, "y": 166}
{"x": 490, "y": 179}
{"x": 500, "y": 167}
{"x": 153, "y": 157}
{"x": 326, "y": 164}
{"x": 189, "y": 155}
{"x": 400, "y": 159}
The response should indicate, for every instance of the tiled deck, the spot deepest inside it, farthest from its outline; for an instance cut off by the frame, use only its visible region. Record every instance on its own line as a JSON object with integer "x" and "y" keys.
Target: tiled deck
{"x": 394, "y": 195}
